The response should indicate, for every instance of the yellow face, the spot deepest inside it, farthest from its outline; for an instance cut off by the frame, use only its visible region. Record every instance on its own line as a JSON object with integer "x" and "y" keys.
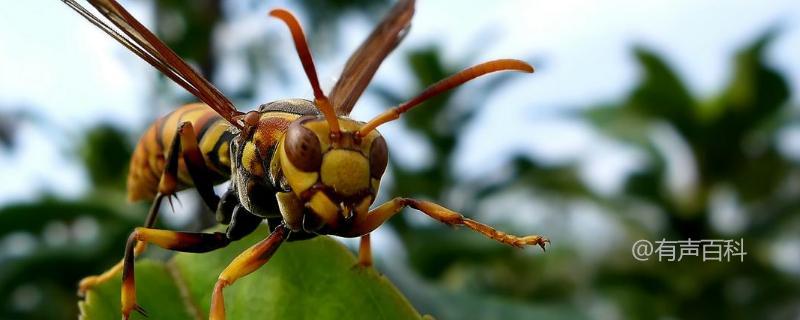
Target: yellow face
{"x": 336, "y": 178}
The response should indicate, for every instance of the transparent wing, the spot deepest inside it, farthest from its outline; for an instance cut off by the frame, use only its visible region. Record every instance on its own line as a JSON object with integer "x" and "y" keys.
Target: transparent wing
{"x": 365, "y": 61}
{"x": 134, "y": 36}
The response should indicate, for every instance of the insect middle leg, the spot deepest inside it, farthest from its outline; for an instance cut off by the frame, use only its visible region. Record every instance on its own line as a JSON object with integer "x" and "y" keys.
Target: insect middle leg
{"x": 377, "y": 216}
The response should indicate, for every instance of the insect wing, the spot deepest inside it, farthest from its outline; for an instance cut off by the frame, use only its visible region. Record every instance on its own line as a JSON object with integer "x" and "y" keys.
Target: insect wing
{"x": 361, "y": 66}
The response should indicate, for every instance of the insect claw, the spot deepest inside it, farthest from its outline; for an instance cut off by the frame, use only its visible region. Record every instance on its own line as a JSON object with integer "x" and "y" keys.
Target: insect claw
{"x": 530, "y": 240}
{"x": 140, "y": 310}
{"x": 171, "y": 205}
{"x": 127, "y": 314}
{"x": 542, "y": 242}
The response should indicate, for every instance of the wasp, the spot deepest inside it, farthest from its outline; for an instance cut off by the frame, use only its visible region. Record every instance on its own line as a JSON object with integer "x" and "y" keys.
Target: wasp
{"x": 302, "y": 165}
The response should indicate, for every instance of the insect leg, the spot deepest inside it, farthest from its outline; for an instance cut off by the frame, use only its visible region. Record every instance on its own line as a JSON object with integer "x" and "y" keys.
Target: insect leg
{"x": 365, "y": 252}
{"x": 196, "y": 165}
{"x": 243, "y": 222}
{"x": 240, "y": 221}
{"x": 185, "y": 141}
{"x": 90, "y": 282}
{"x": 172, "y": 240}
{"x": 377, "y": 216}
{"x": 247, "y": 262}
{"x": 227, "y": 204}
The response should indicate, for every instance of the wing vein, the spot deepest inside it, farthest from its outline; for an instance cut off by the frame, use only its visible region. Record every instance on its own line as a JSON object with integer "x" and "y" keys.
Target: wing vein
{"x": 364, "y": 62}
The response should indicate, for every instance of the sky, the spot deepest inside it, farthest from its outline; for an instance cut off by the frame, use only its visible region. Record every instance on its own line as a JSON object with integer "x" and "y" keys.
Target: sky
{"x": 56, "y": 65}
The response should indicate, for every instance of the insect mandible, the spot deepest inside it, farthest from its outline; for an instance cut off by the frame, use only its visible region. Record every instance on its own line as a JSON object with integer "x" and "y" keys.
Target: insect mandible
{"x": 302, "y": 165}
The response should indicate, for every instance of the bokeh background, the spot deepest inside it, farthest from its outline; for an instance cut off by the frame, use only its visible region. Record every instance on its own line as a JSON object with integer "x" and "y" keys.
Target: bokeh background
{"x": 645, "y": 120}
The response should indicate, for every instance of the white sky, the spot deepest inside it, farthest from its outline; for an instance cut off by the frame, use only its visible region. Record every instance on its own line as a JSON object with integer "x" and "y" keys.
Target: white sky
{"x": 56, "y": 63}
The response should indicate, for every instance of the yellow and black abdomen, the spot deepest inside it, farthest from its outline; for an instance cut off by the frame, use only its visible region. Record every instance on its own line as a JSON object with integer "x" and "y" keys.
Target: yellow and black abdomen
{"x": 147, "y": 163}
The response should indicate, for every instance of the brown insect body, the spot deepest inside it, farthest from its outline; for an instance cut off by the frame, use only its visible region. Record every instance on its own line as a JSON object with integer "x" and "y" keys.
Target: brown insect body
{"x": 249, "y": 161}
{"x": 148, "y": 159}
{"x": 303, "y": 166}
{"x": 255, "y": 178}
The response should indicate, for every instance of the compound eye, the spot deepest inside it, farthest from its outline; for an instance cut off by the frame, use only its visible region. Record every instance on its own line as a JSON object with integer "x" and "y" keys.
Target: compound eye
{"x": 302, "y": 147}
{"x": 378, "y": 157}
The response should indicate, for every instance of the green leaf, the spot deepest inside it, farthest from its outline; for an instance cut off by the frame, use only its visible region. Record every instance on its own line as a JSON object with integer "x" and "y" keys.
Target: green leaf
{"x": 624, "y": 124}
{"x": 157, "y": 290}
{"x": 106, "y": 154}
{"x": 310, "y": 279}
{"x": 756, "y": 89}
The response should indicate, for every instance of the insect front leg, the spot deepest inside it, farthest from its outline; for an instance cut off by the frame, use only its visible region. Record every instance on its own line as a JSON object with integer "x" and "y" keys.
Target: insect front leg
{"x": 379, "y": 215}
{"x": 244, "y": 264}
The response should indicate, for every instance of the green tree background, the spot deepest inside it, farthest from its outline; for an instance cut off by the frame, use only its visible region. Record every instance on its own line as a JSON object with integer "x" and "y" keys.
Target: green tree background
{"x": 731, "y": 135}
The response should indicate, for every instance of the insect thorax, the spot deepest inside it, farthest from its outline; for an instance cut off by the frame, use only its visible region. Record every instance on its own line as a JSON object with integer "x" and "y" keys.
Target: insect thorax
{"x": 255, "y": 176}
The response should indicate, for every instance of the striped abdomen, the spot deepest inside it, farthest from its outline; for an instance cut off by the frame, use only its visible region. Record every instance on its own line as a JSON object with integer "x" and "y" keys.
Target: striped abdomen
{"x": 147, "y": 163}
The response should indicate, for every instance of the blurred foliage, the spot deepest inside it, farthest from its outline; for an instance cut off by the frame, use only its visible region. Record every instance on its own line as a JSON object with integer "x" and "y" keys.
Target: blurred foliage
{"x": 733, "y": 140}
{"x": 291, "y": 280}
{"x": 110, "y": 162}
{"x": 50, "y": 244}
{"x": 11, "y": 118}
{"x": 59, "y": 241}
{"x": 323, "y": 15}
{"x": 7, "y": 130}
{"x": 186, "y": 27}
{"x": 730, "y": 138}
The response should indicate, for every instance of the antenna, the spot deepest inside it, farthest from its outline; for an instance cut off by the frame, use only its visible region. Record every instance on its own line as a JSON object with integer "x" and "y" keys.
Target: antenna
{"x": 300, "y": 44}
{"x": 444, "y": 85}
